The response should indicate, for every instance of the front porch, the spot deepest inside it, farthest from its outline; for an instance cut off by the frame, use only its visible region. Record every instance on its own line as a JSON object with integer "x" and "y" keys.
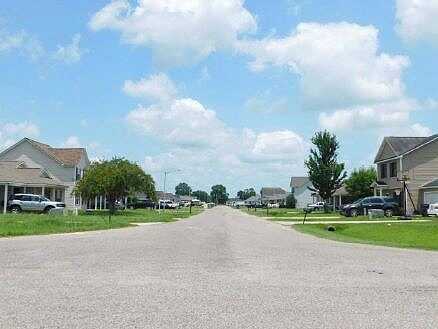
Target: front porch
{"x": 51, "y": 192}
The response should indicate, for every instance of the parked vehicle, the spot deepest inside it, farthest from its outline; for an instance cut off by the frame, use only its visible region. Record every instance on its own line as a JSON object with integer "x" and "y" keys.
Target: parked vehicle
{"x": 31, "y": 202}
{"x": 316, "y": 206}
{"x": 361, "y": 206}
{"x": 168, "y": 204}
{"x": 141, "y": 204}
{"x": 432, "y": 210}
{"x": 273, "y": 205}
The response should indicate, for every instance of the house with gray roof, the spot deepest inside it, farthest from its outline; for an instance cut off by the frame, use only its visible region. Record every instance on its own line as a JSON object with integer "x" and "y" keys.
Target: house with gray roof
{"x": 44, "y": 170}
{"x": 410, "y": 159}
{"x": 300, "y": 187}
{"x": 273, "y": 195}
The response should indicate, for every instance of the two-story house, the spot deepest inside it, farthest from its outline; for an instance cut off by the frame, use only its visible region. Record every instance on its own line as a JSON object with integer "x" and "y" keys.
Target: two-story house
{"x": 410, "y": 159}
{"x": 65, "y": 166}
{"x": 300, "y": 188}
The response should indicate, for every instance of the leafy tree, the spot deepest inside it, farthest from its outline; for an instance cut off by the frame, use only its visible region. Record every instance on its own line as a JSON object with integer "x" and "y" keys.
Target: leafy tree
{"x": 201, "y": 196}
{"x": 116, "y": 179}
{"x": 183, "y": 189}
{"x": 358, "y": 185}
{"x": 291, "y": 202}
{"x": 219, "y": 194}
{"x": 246, "y": 193}
{"x": 325, "y": 173}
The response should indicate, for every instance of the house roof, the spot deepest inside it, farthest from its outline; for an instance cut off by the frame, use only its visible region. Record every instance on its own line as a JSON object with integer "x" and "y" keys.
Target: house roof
{"x": 255, "y": 198}
{"x": 67, "y": 156}
{"x": 13, "y": 172}
{"x": 431, "y": 184}
{"x": 272, "y": 191}
{"x": 297, "y": 182}
{"x": 342, "y": 191}
{"x": 402, "y": 145}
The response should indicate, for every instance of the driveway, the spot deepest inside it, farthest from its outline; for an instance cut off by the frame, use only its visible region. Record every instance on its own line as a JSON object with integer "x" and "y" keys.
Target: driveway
{"x": 220, "y": 269}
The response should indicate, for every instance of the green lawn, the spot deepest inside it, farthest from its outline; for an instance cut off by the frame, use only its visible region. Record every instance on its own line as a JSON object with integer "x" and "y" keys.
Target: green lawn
{"x": 33, "y": 224}
{"x": 405, "y": 235}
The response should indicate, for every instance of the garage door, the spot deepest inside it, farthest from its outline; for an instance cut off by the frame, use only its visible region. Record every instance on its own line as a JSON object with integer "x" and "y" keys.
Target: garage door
{"x": 431, "y": 197}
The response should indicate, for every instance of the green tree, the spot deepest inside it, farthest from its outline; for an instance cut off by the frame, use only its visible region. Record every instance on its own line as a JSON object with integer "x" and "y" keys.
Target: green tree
{"x": 358, "y": 185}
{"x": 291, "y": 202}
{"x": 183, "y": 189}
{"x": 246, "y": 193}
{"x": 325, "y": 173}
{"x": 219, "y": 194}
{"x": 201, "y": 196}
{"x": 116, "y": 179}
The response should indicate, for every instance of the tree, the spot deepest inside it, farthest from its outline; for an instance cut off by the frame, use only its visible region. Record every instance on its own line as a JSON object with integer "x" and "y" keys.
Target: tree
{"x": 116, "y": 179}
{"x": 246, "y": 193}
{"x": 325, "y": 173}
{"x": 219, "y": 194}
{"x": 183, "y": 189}
{"x": 358, "y": 185}
{"x": 201, "y": 196}
{"x": 291, "y": 202}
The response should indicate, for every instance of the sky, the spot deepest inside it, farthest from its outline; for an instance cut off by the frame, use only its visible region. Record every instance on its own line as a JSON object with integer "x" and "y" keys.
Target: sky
{"x": 218, "y": 91}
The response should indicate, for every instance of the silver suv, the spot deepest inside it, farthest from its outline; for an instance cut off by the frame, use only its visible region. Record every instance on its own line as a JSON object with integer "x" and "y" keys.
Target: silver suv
{"x": 31, "y": 202}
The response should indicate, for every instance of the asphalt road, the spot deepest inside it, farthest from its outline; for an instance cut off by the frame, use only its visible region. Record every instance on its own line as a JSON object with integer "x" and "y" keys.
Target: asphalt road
{"x": 221, "y": 269}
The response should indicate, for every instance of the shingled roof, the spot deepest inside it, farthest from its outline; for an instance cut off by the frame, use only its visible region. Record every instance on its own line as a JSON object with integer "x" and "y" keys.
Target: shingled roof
{"x": 402, "y": 145}
{"x": 13, "y": 172}
{"x": 69, "y": 157}
{"x": 297, "y": 182}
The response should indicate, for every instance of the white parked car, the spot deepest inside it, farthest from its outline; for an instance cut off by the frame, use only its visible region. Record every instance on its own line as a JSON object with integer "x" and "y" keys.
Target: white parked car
{"x": 273, "y": 205}
{"x": 316, "y": 206}
{"x": 31, "y": 202}
{"x": 168, "y": 204}
{"x": 433, "y": 209}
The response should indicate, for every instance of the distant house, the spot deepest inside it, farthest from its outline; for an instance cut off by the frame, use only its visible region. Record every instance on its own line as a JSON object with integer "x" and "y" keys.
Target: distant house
{"x": 300, "y": 188}
{"x": 53, "y": 172}
{"x": 273, "y": 195}
{"x": 167, "y": 196}
{"x": 410, "y": 159}
{"x": 253, "y": 201}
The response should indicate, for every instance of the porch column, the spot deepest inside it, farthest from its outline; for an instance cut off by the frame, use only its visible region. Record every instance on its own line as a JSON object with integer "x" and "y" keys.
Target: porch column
{"x": 95, "y": 203}
{"x": 375, "y": 191}
{"x": 104, "y": 204}
{"x": 100, "y": 202}
{"x": 381, "y": 192}
{"x": 334, "y": 203}
{"x": 43, "y": 190}
{"x": 5, "y": 205}
{"x": 126, "y": 202}
{"x": 52, "y": 194}
{"x": 340, "y": 200}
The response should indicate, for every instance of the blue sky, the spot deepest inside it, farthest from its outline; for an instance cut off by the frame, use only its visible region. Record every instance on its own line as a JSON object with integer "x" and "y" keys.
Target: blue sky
{"x": 225, "y": 91}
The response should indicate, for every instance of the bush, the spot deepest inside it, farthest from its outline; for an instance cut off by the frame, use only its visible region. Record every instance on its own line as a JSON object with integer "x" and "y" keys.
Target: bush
{"x": 291, "y": 202}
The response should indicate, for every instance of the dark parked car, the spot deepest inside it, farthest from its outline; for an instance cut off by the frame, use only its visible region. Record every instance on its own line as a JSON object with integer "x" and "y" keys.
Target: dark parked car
{"x": 141, "y": 204}
{"x": 389, "y": 205}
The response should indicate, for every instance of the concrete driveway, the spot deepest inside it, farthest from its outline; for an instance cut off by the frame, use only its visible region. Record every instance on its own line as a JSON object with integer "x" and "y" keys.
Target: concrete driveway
{"x": 221, "y": 269}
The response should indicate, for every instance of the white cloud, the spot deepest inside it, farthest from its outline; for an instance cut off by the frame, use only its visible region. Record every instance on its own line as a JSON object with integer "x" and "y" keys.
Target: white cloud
{"x": 183, "y": 122}
{"x": 72, "y": 142}
{"x": 71, "y": 53}
{"x": 21, "y": 41}
{"x": 417, "y": 20}
{"x": 200, "y": 143}
{"x": 339, "y": 64}
{"x": 156, "y": 88}
{"x": 178, "y": 31}
{"x": 10, "y": 133}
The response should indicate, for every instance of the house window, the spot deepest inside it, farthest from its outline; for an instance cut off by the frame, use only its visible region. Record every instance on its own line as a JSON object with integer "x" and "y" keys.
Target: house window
{"x": 383, "y": 170}
{"x": 393, "y": 169}
{"x": 78, "y": 174}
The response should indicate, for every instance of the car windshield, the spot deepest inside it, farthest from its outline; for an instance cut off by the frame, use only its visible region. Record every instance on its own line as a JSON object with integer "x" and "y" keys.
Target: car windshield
{"x": 358, "y": 201}
{"x": 44, "y": 199}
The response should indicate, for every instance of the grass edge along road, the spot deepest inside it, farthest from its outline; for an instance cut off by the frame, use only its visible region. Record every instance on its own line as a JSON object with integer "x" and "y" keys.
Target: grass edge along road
{"x": 400, "y": 235}
{"x": 41, "y": 224}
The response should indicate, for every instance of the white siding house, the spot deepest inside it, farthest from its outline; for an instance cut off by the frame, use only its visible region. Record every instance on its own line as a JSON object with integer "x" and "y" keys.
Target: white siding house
{"x": 300, "y": 189}
{"x": 65, "y": 165}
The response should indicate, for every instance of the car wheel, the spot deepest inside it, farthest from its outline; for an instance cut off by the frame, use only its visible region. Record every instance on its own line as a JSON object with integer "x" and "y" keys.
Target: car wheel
{"x": 15, "y": 209}
{"x": 353, "y": 213}
{"x": 388, "y": 213}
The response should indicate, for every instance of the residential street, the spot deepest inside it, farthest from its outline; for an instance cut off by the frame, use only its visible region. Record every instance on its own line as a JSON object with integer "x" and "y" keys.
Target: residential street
{"x": 220, "y": 269}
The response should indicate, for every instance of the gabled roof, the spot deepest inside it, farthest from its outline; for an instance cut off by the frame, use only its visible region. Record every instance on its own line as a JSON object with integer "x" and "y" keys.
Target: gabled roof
{"x": 255, "y": 198}
{"x": 14, "y": 172}
{"x": 272, "y": 191}
{"x": 68, "y": 157}
{"x": 402, "y": 145}
{"x": 297, "y": 182}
